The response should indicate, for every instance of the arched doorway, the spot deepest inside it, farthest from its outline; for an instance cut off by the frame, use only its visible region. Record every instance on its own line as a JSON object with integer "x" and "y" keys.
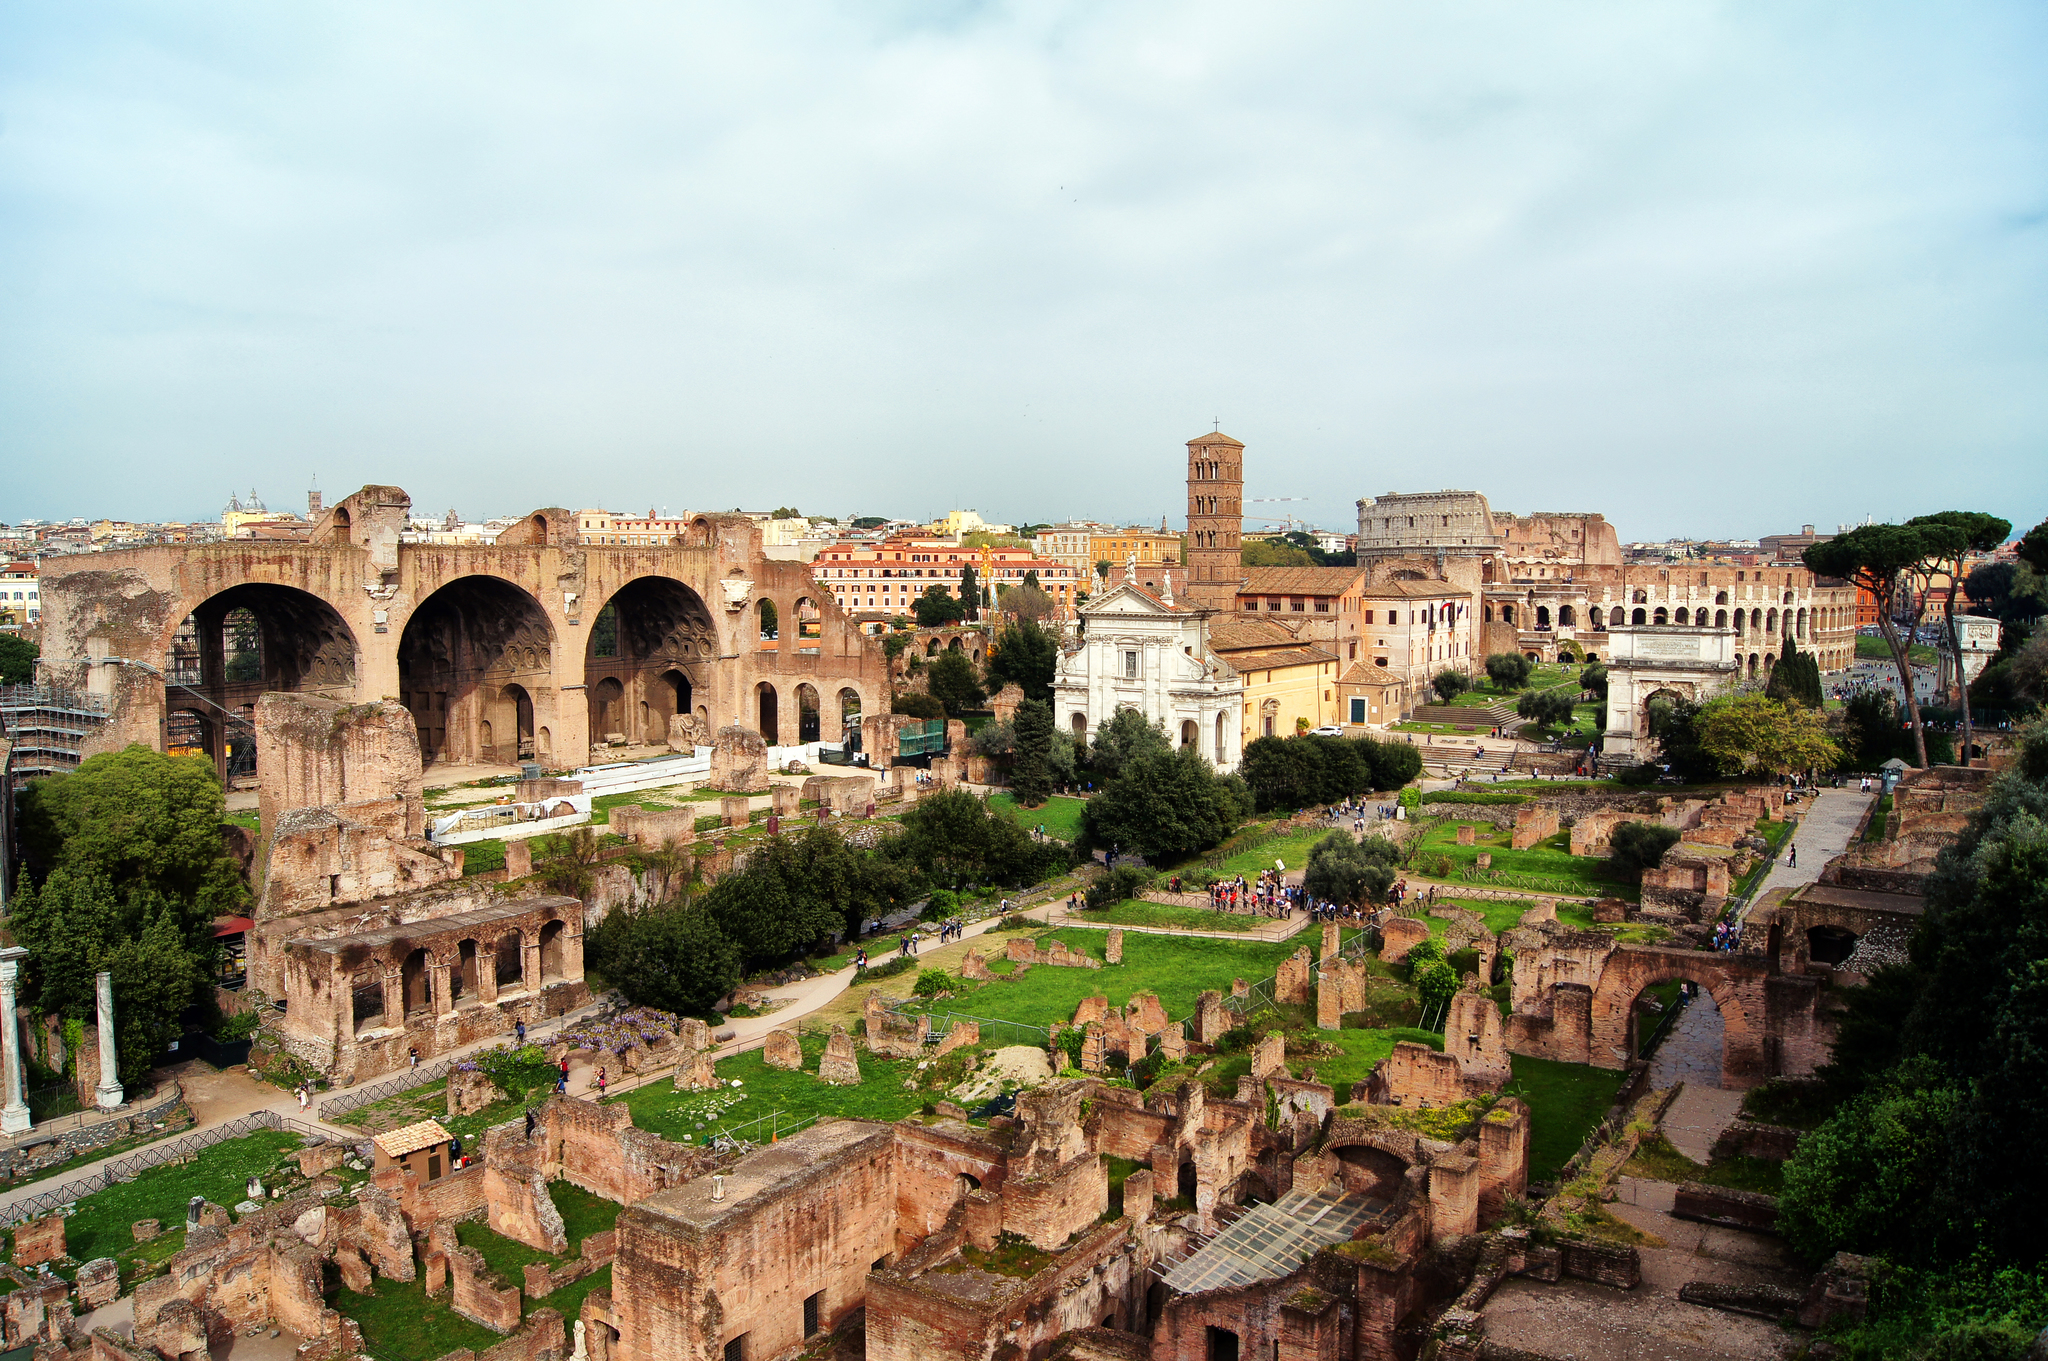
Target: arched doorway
{"x": 766, "y": 707}
{"x": 607, "y": 710}
{"x": 462, "y": 648}
{"x": 807, "y": 721}
{"x": 462, "y": 979}
{"x": 415, "y": 984}
{"x": 659, "y": 641}
{"x": 235, "y": 646}
{"x": 1189, "y": 733}
{"x": 552, "y": 950}
{"x": 513, "y": 727}
{"x": 509, "y": 960}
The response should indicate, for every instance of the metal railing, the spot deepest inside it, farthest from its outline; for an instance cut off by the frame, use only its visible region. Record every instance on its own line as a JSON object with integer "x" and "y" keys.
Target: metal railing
{"x": 40, "y": 1203}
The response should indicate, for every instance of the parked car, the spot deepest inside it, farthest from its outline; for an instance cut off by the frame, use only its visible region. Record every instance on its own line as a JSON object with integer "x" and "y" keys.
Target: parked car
{"x": 1327, "y": 730}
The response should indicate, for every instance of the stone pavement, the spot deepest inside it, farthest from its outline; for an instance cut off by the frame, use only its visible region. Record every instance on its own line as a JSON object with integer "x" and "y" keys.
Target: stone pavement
{"x": 1691, "y": 1053}
{"x": 1825, "y": 827}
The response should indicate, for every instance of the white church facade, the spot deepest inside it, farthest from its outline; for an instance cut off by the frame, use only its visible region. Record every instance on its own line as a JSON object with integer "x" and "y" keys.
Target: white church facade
{"x": 1140, "y": 650}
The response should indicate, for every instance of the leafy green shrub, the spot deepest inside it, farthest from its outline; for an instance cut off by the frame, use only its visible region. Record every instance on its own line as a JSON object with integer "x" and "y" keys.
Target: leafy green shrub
{"x": 1508, "y": 670}
{"x": 932, "y": 982}
{"x": 1235, "y": 1040}
{"x": 943, "y": 903}
{"x": 1644, "y": 773}
{"x": 1637, "y": 846}
{"x": 1436, "y": 982}
{"x": 1125, "y": 881}
{"x": 888, "y": 969}
{"x": 1424, "y": 951}
{"x": 518, "y": 1071}
{"x": 239, "y": 1026}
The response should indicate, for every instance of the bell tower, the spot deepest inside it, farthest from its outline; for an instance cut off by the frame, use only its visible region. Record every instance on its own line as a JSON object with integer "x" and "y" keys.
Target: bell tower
{"x": 1215, "y": 519}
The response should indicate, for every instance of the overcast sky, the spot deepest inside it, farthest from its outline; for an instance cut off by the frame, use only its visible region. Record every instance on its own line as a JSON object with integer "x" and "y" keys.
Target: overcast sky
{"x": 1704, "y": 268}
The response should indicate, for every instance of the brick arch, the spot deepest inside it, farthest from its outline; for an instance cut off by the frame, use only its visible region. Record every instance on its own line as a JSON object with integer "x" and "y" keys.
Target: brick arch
{"x": 1735, "y": 982}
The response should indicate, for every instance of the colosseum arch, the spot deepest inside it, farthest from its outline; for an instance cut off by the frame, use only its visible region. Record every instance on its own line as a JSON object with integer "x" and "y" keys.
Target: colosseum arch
{"x": 235, "y": 645}
{"x": 461, "y": 650}
{"x": 652, "y": 647}
{"x": 1736, "y": 984}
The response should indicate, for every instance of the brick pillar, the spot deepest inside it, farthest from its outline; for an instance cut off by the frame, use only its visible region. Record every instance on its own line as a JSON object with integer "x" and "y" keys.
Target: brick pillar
{"x": 529, "y": 961}
{"x": 394, "y": 998}
{"x": 487, "y": 972}
{"x": 442, "y": 996}
{"x": 572, "y": 952}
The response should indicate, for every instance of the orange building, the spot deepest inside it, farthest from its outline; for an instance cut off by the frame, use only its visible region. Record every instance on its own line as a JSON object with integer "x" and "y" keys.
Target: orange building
{"x": 885, "y": 579}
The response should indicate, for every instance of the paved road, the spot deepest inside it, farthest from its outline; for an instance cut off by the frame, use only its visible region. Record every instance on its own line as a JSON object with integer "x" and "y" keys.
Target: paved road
{"x": 1823, "y": 833}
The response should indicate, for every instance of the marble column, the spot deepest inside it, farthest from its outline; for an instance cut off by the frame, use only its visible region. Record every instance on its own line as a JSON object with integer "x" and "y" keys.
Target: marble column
{"x": 14, "y": 1119}
{"x": 108, "y": 1094}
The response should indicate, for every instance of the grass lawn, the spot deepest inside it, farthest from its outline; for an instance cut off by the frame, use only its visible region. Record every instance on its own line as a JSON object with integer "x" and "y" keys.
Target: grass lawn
{"x": 1059, "y": 815}
{"x": 692, "y": 1117}
{"x": 1292, "y": 849}
{"x": 400, "y": 1323}
{"x": 1549, "y": 860}
{"x": 1877, "y": 650}
{"x": 1442, "y": 729}
{"x": 1362, "y": 1049}
{"x": 1132, "y": 912}
{"x": 1565, "y": 1101}
{"x": 101, "y": 1227}
{"x": 1500, "y": 915}
{"x": 1543, "y": 677}
{"x": 1656, "y": 1159}
{"x": 1178, "y": 968}
{"x": 1630, "y": 933}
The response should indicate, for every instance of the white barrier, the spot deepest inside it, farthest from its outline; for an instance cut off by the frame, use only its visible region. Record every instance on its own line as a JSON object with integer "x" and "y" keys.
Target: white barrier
{"x": 507, "y": 821}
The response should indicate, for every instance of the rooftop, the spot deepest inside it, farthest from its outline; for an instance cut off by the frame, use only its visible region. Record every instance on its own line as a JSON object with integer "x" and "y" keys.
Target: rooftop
{"x": 1273, "y": 1240}
{"x": 765, "y": 1173}
{"x": 396, "y": 1143}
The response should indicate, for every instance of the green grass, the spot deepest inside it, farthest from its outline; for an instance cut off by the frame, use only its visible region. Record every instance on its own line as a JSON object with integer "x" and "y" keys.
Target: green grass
{"x": 675, "y": 1115}
{"x": 1060, "y": 816}
{"x": 479, "y": 856}
{"x": 1627, "y": 933}
{"x": 243, "y": 818}
{"x": 102, "y": 1225}
{"x": 1500, "y": 914}
{"x": 1293, "y": 849}
{"x": 1132, "y": 912}
{"x": 1656, "y": 1159}
{"x": 1546, "y": 676}
{"x": 1565, "y": 1101}
{"x": 1362, "y": 1049}
{"x": 402, "y": 1324}
{"x": 1178, "y": 968}
{"x": 1442, "y": 729}
{"x": 1880, "y": 819}
{"x": 1550, "y": 859}
{"x": 1877, "y": 650}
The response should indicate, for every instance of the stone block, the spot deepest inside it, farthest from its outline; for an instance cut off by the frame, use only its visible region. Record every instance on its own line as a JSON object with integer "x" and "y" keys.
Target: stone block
{"x": 435, "y": 1279}
{"x": 1468, "y": 834}
{"x": 1720, "y": 1205}
{"x": 1610, "y": 910}
{"x": 39, "y": 1241}
{"x": 1211, "y": 1020}
{"x": 1291, "y": 981}
{"x": 1399, "y": 935}
{"x": 321, "y": 1158}
{"x": 471, "y": 1091}
{"x": 145, "y": 1229}
{"x": 739, "y": 761}
{"x": 355, "y": 1272}
{"x": 98, "y": 1283}
{"x": 1113, "y": 949}
{"x": 692, "y": 1034}
{"x": 696, "y": 1073}
{"x": 781, "y": 1050}
{"x": 1173, "y": 1043}
{"x": 212, "y": 1216}
{"x": 839, "y": 1066}
{"x": 518, "y": 858}
{"x": 735, "y": 811}
{"x": 1484, "y": 860}
{"x": 1146, "y": 1013}
{"x": 974, "y": 968}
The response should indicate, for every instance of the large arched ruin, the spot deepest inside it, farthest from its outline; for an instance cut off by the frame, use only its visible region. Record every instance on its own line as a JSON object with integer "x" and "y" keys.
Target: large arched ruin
{"x": 499, "y": 651}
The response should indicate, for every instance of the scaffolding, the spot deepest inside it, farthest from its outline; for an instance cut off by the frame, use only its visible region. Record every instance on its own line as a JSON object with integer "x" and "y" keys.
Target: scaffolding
{"x": 48, "y": 728}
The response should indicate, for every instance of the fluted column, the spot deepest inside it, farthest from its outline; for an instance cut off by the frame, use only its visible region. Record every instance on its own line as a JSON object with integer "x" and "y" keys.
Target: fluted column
{"x": 109, "y": 1093}
{"x": 14, "y": 1118}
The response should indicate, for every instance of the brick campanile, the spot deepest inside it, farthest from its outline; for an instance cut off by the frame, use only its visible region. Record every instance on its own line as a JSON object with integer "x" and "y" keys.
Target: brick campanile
{"x": 1215, "y": 519}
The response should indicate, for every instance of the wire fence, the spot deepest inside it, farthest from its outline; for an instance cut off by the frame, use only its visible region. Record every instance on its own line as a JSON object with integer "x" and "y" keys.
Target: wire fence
{"x": 40, "y": 1203}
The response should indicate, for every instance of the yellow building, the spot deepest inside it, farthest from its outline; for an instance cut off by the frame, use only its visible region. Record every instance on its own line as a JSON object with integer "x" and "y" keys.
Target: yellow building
{"x": 1290, "y": 684}
{"x": 1115, "y": 546}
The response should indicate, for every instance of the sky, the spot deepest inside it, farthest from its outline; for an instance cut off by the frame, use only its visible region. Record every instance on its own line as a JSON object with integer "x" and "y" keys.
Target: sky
{"x": 1707, "y": 269}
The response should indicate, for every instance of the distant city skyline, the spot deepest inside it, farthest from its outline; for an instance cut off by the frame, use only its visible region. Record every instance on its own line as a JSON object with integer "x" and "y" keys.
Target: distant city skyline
{"x": 1707, "y": 269}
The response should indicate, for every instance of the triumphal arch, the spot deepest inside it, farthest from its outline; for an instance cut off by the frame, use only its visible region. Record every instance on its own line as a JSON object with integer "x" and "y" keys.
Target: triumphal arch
{"x": 532, "y": 648}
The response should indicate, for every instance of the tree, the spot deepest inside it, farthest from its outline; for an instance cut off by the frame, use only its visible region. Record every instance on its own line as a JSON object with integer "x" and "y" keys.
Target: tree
{"x": 954, "y": 684}
{"x": 2032, "y": 549}
{"x": 1165, "y": 805}
{"x": 1124, "y": 738}
{"x": 1877, "y": 558}
{"x": 17, "y": 660}
{"x": 970, "y": 591}
{"x": 569, "y": 860}
{"x": 937, "y": 608}
{"x": 1267, "y": 553}
{"x": 672, "y": 957}
{"x": 1449, "y": 684}
{"x": 1025, "y": 655}
{"x": 1508, "y": 670}
{"x": 1436, "y": 983}
{"x": 1755, "y": 733}
{"x": 1031, "y": 578}
{"x": 1547, "y": 708}
{"x": 1027, "y": 601}
{"x": 1030, "y": 777}
{"x": 1341, "y": 870}
{"x": 1062, "y": 758}
{"x": 993, "y": 739}
{"x": 953, "y": 839}
{"x": 1594, "y": 680}
{"x": 1796, "y": 677}
{"x": 893, "y": 646}
{"x": 915, "y": 704}
{"x": 1974, "y": 532}
{"x": 1102, "y": 569}
{"x": 146, "y": 822}
{"x": 75, "y": 924}
{"x": 1633, "y": 847}
{"x": 771, "y": 622}
{"x": 795, "y": 893}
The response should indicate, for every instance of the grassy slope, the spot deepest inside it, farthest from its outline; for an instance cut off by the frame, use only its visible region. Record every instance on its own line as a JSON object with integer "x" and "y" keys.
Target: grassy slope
{"x": 1551, "y": 859}
{"x": 102, "y": 1225}
{"x": 1060, "y": 816}
{"x": 1565, "y": 1101}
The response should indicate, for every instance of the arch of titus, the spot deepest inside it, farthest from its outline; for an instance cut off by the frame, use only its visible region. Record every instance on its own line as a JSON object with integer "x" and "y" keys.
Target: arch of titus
{"x": 498, "y": 651}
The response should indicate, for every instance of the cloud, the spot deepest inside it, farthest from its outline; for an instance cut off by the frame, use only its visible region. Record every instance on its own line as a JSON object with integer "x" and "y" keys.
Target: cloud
{"x": 1704, "y": 268}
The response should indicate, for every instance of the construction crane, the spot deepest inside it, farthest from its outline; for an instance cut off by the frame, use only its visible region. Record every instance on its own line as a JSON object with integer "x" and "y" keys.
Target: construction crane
{"x": 1293, "y": 522}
